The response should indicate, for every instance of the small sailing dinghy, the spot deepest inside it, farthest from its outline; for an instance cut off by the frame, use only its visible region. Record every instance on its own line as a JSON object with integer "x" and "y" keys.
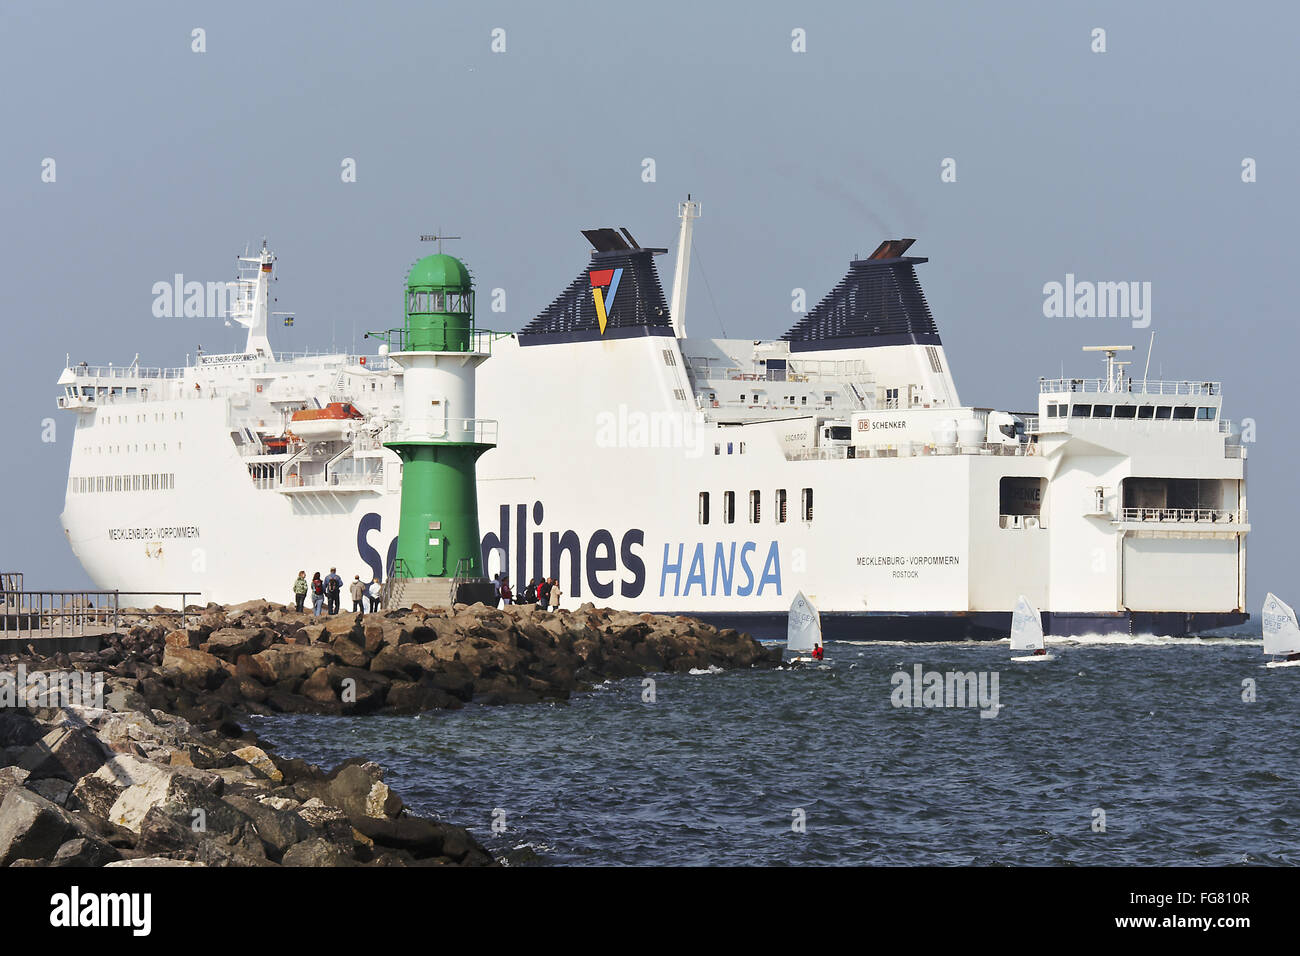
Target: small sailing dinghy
{"x": 803, "y": 637}
{"x": 1027, "y": 633}
{"x": 1281, "y": 633}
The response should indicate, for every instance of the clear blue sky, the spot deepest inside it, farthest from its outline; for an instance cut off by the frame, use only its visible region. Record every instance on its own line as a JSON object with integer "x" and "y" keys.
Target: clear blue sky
{"x": 1117, "y": 166}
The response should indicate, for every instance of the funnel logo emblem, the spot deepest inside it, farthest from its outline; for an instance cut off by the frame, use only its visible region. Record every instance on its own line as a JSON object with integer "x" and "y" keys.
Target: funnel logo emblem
{"x": 604, "y": 300}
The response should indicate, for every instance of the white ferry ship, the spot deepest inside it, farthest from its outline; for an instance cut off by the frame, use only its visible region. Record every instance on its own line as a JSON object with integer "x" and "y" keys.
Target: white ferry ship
{"x": 652, "y": 470}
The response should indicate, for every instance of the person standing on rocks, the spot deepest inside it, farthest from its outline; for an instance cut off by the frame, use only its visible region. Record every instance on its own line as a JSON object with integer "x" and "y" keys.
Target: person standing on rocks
{"x": 358, "y": 592}
{"x": 530, "y": 593}
{"x": 507, "y": 596}
{"x": 496, "y": 586}
{"x": 555, "y": 594}
{"x": 373, "y": 592}
{"x": 317, "y": 594}
{"x": 333, "y": 589}
{"x": 300, "y": 590}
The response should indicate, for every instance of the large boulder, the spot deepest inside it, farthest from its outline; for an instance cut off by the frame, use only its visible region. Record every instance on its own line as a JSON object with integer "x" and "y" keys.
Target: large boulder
{"x": 31, "y": 827}
{"x": 19, "y": 728}
{"x": 182, "y": 638}
{"x": 284, "y": 662}
{"x": 357, "y": 788}
{"x": 85, "y": 851}
{"x": 258, "y": 759}
{"x": 277, "y": 829}
{"x": 145, "y": 785}
{"x": 198, "y": 668}
{"x": 358, "y": 691}
{"x": 349, "y": 653}
{"x": 11, "y": 777}
{"x": 229, "y": 642}
{"x": 330, "y": 822}
{"x": 95, "y": 795}
{"x": 68, "y": 752}
{"x": 316, "y": 853}
{"x": 419, "y": 837}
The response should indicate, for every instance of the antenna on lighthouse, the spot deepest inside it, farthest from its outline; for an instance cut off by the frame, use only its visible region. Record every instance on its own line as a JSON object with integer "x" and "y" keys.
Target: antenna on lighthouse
{"x": 687, "y": 212}
{"x": 438, "y": 239}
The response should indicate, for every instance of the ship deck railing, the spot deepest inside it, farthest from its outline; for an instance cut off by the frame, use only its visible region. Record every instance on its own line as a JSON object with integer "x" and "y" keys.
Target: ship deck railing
{"x": 798, "y": 370}
{"x": 1183, "y": 515}
{"x": 1116, "y": 386}
{"x": 910, "y": 450}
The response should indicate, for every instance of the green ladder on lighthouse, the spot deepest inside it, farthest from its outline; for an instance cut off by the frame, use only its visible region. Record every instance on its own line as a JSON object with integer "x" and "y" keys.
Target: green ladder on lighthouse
{"x": 438, "y": 438}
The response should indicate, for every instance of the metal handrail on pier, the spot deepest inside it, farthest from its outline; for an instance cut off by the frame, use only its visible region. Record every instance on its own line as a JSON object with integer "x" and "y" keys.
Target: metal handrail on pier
{"x": 73, "y": 614}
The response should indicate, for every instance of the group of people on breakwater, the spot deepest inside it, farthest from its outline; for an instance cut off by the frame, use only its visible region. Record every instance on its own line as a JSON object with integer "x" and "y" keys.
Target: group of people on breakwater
{"x": 327, "y": 593}
{"x": 545, "y": 592}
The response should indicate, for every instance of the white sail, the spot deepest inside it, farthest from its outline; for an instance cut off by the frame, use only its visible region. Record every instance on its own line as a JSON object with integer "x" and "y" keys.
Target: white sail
{"x": 1026, "y": 627}
{"x": 1281, "y": 633}
{"x": 804, "y": 631}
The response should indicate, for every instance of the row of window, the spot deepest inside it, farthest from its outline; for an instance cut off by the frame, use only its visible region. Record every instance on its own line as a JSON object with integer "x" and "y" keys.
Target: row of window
{"x": 1178, "y": 413}
{"x": 130, "y": 449}
{"x": 122, "y": 419}
{"x": 780, "y": 509}
{"x": 760, "y": 398}
{"x": 100, "y": 483}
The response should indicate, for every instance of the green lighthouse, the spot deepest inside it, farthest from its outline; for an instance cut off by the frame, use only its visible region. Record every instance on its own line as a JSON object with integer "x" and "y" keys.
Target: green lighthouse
{"x": 438, "y": 438}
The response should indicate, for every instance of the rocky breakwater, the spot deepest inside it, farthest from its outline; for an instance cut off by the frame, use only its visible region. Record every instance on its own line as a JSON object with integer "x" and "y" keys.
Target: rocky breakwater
{"x": 262, "y": 658}
{"x": 124, "y": 785}
{"x": 159, "y": 770}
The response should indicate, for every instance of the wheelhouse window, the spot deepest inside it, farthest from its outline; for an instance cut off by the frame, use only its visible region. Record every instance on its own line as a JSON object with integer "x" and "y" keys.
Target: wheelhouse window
{"x": 1051, "y": 409}
{"x": 1184, "y": 413}
{"x": 1102, "y": 411}
{"x": 1164, "y": 412}
{"x": 1126, "y": 411}
{"x": 1205, "y": 414}
{"x": 1146, "y": 411}
{"x": 1081, "y": 411}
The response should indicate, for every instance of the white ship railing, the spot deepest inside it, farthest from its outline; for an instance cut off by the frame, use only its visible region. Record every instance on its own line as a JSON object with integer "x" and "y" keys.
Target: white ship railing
{"x": 125, "y": 372}
{"x": 1115, "y": 386}
{"x": 1063, "y": 423}
{"x": 902, "y": 450}
{"x": 798, "y": 370}
{"x": 477, "y": 430}
{"x": 1181, "y": 515}
{"x": 345, "y": 480}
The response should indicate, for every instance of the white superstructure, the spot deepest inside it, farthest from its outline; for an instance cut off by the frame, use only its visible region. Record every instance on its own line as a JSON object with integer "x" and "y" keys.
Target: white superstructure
{"x": 653, "y": 471}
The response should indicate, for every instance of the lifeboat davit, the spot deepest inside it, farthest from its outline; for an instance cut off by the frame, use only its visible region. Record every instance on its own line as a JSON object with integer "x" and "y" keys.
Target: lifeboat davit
{"x": 334, "y": 421}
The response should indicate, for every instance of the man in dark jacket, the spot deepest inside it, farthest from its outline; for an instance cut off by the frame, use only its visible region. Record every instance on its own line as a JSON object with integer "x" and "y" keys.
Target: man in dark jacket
{"x": 333, "y": 589}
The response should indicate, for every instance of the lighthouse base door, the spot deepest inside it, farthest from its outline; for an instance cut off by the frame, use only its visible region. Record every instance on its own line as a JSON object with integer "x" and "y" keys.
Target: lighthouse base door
{"x": 435, "y": 555}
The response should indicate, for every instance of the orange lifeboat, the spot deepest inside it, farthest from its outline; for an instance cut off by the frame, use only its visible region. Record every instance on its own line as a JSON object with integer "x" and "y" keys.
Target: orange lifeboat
{"x": 330, "y": 422}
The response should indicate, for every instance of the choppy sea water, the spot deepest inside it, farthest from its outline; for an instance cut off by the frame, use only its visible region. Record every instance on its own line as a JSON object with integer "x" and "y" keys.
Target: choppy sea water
{"x": 1153, "y": 731}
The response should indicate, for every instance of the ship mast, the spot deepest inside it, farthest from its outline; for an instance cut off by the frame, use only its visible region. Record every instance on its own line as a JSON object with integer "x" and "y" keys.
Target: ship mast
{"x": 687, "y": 212}
{"x": 252, "y": 298}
